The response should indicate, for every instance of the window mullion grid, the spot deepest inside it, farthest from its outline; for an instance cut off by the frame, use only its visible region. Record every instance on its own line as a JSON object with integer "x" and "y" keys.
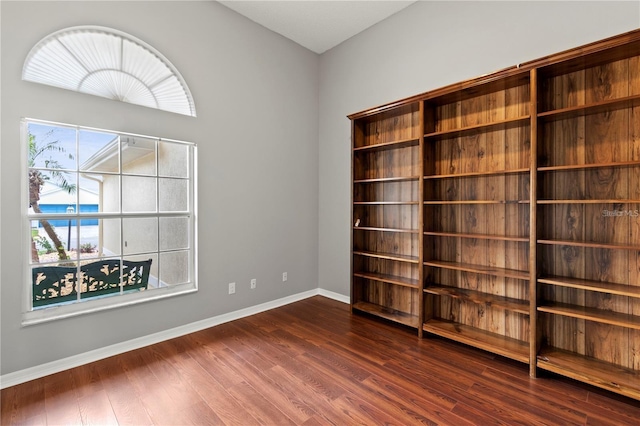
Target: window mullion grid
{"x": 120, "y": 215}
{"x": 109, "y": 215}
{"x": 120, "y": 210}
{"x": 191, "y": 207}
{"x": 27, "y": 303}
{"x": 76, "y": 215}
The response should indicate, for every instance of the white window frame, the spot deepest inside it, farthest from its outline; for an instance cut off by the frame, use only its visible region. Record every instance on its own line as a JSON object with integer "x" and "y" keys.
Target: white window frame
{"x": 32, "y": 316}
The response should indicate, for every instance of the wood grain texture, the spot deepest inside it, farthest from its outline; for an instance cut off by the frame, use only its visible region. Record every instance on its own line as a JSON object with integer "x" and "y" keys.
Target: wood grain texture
{"x": 399, "y": 124}
{"x": 601, "y": 374}
{"x": 481, "y": 298}
{"x": 386, "y": 265}
{"x": 530, "y": 225}
{"x": 311, "y": 362}
{"x": 634, "y": 192}
{"x": 479, "y": 148}
{"x": 588, "y": 181}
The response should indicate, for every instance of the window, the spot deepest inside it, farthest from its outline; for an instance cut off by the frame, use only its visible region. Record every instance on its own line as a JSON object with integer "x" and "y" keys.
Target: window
{"x": 110, "y": 219}
{"x": 109, "y": 63}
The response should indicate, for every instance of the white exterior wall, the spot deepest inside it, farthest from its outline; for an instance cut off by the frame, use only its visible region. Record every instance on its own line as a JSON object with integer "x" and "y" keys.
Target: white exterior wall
{"x": 142, "y": 235}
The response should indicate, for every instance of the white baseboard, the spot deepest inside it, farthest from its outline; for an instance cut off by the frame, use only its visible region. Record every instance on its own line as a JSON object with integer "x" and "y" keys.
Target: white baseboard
{"x": 335, "y": 296}
{"x": 52, "y": 367}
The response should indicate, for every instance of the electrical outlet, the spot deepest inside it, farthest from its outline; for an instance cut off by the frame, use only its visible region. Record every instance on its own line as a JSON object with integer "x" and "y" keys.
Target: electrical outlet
{"x": 284, "y": 276}
{"x": 254, "y": 283}
{"x": 232, "y": 288}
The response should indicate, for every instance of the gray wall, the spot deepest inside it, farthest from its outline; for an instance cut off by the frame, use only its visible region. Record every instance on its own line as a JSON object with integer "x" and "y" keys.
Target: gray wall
{"x": 423, "y": 47}
{"x": 256, "y": 96}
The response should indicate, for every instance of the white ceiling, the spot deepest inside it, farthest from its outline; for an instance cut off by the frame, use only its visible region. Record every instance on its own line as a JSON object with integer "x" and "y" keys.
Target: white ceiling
{"x": 317, "y": 25}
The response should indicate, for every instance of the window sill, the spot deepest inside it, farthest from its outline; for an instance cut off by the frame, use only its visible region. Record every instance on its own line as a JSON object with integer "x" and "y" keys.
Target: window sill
{"x": 68, "y": 311}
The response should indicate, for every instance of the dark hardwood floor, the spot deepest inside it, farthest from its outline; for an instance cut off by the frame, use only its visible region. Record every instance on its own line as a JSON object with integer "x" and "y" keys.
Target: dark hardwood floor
{"x": 310, "y": 363}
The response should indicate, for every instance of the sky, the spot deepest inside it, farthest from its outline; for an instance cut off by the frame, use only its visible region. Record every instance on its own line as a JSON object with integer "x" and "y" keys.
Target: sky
{"x": 89, "y": 143}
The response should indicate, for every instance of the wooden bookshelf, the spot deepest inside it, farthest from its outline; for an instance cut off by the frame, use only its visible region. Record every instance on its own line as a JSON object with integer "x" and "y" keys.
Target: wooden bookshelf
{"x": 625, "y": 381}
{"x": 592, "y": 314}
{"x": 393, "y": 144}
{"x": 588, "y": 173}
{"x": 596, "y": 107}
{"x": 476, "y": 128}
{"x": 386, "y": 216}
{"x": 389, "y": 256}
{"x": 597, "y": 286}
{"x": 479, "y": 269}
{"x": 477, "y": 165}
{"x": 472, "y": 336}
{"x": 477, "y": 236}
{"x": 635, "y": 245}
{"x": 483, "y": 173}
{"x": 503, "y": 212}
{"x": 589, "y": 166}
{"x": 387, "y": 313}
{"x": 389, "y": 279}
{"x": 392, "y": 179}
{"x": 481, "y": 298}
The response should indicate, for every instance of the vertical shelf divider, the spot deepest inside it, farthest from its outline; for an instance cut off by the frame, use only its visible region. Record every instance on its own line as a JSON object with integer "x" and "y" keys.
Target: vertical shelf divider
{"x": 355, "y": 133}
{"x": 420, "y": 297}
{"x": 534, "y": 343}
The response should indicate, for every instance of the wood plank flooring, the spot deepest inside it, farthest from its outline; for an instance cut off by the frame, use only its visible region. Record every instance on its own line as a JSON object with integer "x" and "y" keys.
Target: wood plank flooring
{"x": 310, "y": 363}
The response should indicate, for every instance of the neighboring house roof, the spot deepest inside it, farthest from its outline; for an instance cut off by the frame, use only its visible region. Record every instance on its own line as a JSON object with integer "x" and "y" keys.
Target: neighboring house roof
{"x": 53, "y": 194}
{"x": 106, "y": 160}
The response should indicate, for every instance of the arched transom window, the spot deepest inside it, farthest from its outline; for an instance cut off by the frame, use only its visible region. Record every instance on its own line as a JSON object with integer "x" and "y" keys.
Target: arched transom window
{"x": 108, "y": 63}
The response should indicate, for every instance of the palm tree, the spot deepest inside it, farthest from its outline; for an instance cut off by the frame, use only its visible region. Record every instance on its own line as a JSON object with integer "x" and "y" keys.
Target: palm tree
{"x": 37, "y": 179}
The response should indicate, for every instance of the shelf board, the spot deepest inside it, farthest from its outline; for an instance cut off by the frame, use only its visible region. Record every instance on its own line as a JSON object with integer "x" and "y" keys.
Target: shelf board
{"x": 479, "y": 269}
{"x": 443, "y": 134}
{"x": 473, "y": 174}
{"x": 388, "y": 145}
{"x": 590, "y": 370}
{"x": 618, "y": 289}
{"x": 492, "y": 342}
{"x": 588, "y": 201}
{"x": 389, "y": 279}
{"x": 444, "y": 202}
{"x": 372, "y": 228}
{"x": 592, "y": 314}
{"x": 480, "y": 298}
{"x": 388, "y": 256}
{"x": 388, "y": 313}
{"x": 613, "y": 246}
{"x": 477, "y": 236}
{"x": 386, "y": 203}
{"x": 588, "y": 166}
{"x": 387, "y": 179}
{"x": 593, "y": 108}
